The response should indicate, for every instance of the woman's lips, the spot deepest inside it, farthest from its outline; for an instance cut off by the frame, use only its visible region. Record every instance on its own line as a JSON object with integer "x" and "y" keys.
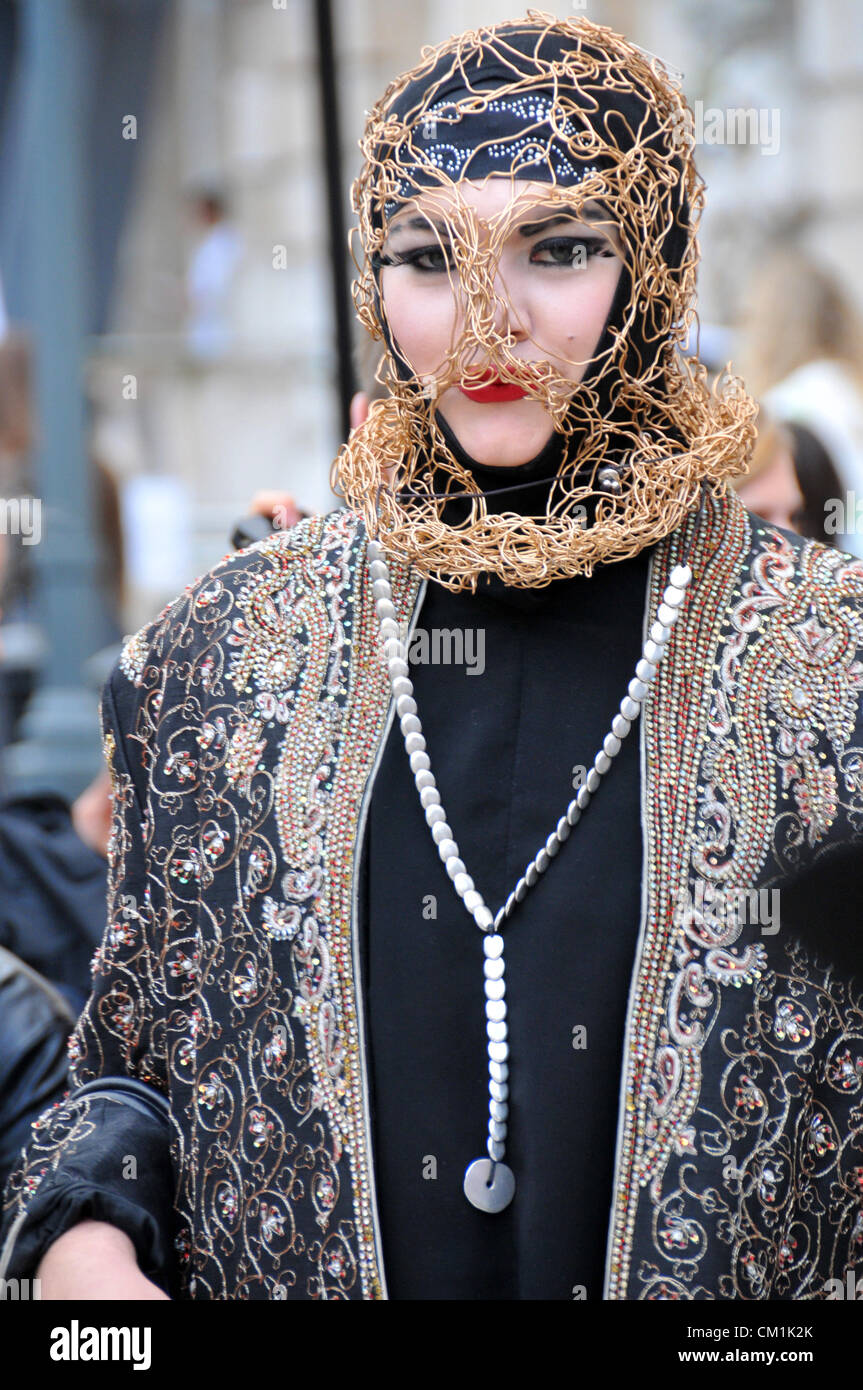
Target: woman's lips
{"x": 490, "y": 388}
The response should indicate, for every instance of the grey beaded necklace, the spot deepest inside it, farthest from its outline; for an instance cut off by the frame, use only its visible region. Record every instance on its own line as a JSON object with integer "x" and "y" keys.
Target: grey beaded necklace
{"x": 489, "y": 1183}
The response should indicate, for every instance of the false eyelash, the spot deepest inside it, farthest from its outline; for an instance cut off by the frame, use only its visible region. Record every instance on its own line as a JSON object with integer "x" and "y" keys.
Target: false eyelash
{"x": 409, "y": 257}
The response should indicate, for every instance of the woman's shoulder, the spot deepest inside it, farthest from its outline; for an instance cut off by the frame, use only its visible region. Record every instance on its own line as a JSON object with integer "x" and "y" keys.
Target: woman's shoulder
{"x": 771, "y": 549}
{"x": 214, "y": 605}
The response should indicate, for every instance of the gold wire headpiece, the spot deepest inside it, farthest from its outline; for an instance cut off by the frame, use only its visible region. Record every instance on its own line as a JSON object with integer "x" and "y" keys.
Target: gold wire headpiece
{"x": 643, "y": 411}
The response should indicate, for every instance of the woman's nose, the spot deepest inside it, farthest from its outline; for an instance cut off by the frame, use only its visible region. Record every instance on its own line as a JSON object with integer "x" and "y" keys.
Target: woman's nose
{"x": 508, "y": 317}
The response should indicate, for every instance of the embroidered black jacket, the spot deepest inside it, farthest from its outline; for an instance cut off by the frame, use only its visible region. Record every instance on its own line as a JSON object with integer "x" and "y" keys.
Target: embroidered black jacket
{"x": 223, "y": 1045}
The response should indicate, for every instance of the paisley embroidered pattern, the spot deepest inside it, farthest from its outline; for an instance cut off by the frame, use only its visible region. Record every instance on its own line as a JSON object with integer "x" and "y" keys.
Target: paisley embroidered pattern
{"x": 767, "y": 746}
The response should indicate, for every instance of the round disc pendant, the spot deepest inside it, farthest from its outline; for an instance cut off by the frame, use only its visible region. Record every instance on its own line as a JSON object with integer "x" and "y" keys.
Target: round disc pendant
{"x": 489, "y": 1196}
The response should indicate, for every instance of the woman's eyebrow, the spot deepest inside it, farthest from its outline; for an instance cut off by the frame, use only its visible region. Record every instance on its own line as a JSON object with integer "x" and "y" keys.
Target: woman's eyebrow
{"x": 528, "y": 228}
{"x": 419, "y": 224}
{"x": 590, "y": 212}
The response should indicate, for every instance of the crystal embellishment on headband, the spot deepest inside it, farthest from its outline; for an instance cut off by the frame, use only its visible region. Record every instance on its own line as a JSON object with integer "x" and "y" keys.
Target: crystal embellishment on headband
{"x": 508, "y": 155}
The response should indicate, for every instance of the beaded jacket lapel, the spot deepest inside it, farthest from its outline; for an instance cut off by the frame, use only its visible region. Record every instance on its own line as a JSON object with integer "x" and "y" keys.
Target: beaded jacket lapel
{"x": 739, "y": 1161}
{"x": 342, "y": 1080}
{"x": 342, "y": 711}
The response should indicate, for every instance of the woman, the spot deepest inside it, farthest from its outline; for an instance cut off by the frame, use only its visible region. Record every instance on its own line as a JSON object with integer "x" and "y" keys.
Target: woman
{"x": 546, "y": 1059}
{"x": 791, "y": 482}
{"x": 770, "y": 486}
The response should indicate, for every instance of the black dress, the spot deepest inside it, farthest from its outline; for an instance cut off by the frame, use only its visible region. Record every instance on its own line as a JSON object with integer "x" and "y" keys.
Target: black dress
{"x": 503, "y": 745}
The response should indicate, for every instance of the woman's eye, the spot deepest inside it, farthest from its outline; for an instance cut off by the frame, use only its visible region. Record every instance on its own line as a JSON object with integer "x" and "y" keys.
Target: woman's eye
{"x": 430, "y": 258}
{"x": 569, "y": 251}
{"x": 423, "y": 258}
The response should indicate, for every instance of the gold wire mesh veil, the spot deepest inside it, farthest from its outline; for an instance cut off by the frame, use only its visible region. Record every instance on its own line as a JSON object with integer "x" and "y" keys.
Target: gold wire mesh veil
{"x": 593, "y": 117}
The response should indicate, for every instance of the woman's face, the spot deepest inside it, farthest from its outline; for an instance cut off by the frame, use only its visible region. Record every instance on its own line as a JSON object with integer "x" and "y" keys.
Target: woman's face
{"x": 554, "y": 283}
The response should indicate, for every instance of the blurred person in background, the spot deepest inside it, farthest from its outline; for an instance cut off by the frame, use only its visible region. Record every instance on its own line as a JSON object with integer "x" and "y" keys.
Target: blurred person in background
{"x": 802, "y": 355}
{"x": 819, "y": 482}
{"x": 791, "y": 481}
{"x": 213, "y": 265}
{"x": 770, "y": 487}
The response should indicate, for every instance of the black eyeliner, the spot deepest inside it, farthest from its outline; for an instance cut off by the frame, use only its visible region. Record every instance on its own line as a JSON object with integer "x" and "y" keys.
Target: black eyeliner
{"x": 592, "y": 242}
{"x": 411, "y": 256}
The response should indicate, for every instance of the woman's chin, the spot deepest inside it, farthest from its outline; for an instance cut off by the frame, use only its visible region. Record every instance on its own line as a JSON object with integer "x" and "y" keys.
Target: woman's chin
{"x": 502, "y": 436}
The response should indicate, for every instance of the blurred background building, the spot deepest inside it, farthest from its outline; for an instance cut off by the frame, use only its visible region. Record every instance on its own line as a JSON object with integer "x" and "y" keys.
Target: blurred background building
{"x": 167, "y": 171}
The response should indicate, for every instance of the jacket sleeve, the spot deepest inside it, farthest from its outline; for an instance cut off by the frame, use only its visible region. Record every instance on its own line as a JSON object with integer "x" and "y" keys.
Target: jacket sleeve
{"x": 102, "y": 1153}
{"x": 35, "y": 1022}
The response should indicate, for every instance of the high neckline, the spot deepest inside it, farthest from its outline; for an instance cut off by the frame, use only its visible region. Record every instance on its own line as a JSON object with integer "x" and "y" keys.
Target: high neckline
{"x": 602, "y": 586}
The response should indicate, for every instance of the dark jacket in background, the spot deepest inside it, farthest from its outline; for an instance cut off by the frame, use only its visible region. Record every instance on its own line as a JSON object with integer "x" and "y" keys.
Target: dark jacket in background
{"x": 52, "y": 893}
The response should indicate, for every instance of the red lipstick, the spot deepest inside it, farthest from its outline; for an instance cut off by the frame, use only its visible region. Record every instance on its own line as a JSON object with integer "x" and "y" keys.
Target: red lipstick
{"x": 490, "y": 388}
